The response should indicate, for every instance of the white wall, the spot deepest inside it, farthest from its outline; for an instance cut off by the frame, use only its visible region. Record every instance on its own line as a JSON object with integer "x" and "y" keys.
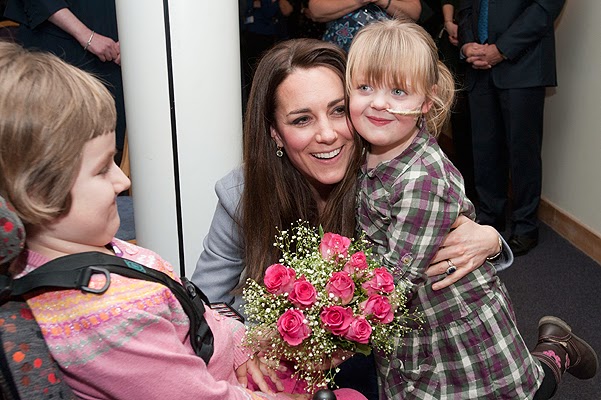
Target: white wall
{"x": 194, "y": 113}
{"x": 207, "y": 100}
{"x": 572, "y": 136}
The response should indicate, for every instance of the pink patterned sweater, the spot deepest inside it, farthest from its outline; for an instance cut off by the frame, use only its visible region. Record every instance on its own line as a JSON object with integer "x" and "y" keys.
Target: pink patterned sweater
{"x": 131, "y": 342}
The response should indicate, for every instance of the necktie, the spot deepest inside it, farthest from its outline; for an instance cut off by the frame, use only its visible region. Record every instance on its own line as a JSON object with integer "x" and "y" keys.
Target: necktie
{"x": 483, "y": 21}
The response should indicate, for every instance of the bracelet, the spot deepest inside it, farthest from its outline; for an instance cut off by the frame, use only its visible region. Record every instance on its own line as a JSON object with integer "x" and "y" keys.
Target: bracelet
{"x": 387, "y": 5}
{"x": 89, "y": 41}
{"x": 495, "y": 256}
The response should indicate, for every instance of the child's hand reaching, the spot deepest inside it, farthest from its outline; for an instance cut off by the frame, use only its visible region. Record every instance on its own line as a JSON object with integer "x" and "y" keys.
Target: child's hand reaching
{"x": 258, "y": 369}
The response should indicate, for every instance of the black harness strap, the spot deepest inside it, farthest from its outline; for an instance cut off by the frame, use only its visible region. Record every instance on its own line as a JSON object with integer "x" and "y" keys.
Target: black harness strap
{"x": 75, "y": 271}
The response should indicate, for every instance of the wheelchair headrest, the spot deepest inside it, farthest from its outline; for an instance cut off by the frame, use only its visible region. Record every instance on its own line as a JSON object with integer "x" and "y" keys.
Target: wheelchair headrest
{"x": 12, "y": 233}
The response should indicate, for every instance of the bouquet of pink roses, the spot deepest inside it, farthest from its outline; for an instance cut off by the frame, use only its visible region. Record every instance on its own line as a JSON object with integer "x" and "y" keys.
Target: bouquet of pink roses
{"x": 326, "y": 297}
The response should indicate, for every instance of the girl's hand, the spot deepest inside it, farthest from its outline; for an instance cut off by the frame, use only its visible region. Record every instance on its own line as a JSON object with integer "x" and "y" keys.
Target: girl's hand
{"x": 258, "y": 369}
{"x": 467, "y": 246}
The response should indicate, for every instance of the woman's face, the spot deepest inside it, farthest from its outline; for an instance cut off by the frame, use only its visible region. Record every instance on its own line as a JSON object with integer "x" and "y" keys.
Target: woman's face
{"x": 311, "y": 126}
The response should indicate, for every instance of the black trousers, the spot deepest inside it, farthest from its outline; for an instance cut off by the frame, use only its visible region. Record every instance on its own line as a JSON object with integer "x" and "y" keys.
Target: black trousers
{"x": 359, "y": 373}
{"x": 548, "y": 386}
{"x": 507, "y": 132}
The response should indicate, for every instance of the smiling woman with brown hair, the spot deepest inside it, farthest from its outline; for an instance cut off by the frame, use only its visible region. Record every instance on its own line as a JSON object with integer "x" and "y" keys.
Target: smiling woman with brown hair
{"x": 300, "y": 162}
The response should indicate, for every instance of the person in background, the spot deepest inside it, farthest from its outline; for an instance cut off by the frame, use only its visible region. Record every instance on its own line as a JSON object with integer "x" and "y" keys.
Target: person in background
{"x": 510, "y": 47}
{"x": 301, "y": 162}
{"x": 264, "y": 23}
{"x": 460, "y": 116}
{"x": 300, "y": 21}
{"x": 346, "y": 17}
{"x": 83, "y": 33}
{"x": 409, "y": 195}
{"x": 57, "y": 146}
{"x": 439, "y": 20}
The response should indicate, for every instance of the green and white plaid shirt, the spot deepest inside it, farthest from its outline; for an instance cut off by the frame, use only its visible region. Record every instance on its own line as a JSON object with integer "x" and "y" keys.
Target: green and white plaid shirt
{"x": 469, "y": 346}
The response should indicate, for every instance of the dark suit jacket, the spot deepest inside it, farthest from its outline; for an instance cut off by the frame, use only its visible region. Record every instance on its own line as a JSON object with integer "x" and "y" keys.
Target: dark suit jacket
{"x": 523, "y": 31}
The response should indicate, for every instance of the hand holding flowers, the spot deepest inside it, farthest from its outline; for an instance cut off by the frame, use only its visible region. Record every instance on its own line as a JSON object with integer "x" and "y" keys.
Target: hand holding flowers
{"x": 326, "y": 298}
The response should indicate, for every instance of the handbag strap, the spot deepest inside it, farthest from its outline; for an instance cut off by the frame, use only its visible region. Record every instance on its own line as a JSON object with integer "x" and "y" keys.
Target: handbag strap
{"x": 75, "y": 271}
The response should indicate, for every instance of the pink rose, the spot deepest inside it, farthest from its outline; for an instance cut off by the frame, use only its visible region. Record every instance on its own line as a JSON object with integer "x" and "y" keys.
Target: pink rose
{"x": 379, "y": 307}
{"x": 333, "y": 245}
{"x": 381, "y": 282}
{"x": 303, "y": 294}
{"x": 279, "y": 279}
{"x": 337, "y": 319}
{"x": 359, "y": 331}
{"x": 341, "y": 286}
{"x": 357, "y": 264}
{"x": 293, "y": 327}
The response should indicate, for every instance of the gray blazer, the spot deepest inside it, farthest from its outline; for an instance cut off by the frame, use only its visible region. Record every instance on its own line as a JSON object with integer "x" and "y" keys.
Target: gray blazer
{"x": 220, "y": 266}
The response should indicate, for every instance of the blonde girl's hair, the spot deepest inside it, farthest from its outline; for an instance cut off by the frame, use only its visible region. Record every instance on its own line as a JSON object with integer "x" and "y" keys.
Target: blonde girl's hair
{"x": 48, "y": 111}
{"x": 401, "y": 54}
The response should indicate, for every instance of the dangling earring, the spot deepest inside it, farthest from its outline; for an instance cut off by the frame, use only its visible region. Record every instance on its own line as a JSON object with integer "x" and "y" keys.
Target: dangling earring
{"x": 420, "y": 121}
{"x": 279, "y": 152}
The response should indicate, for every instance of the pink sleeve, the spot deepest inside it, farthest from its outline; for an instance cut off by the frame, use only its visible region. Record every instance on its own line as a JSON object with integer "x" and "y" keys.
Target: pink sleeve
{"x": 241, "y": 353}
{"x": 154, "y": 364}
{"x": 237, "y": 330}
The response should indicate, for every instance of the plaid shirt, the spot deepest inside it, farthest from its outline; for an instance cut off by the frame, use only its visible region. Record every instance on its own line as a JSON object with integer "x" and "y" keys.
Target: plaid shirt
{"x": 469, "y": 346}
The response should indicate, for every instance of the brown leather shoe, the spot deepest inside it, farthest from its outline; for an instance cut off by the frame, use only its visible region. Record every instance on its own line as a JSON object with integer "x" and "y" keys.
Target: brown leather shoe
{"x": 582, "y": 359}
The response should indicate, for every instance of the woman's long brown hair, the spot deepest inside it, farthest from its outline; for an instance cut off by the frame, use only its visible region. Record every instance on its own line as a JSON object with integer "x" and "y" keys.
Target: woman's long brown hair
{"x": 275, "y": 193}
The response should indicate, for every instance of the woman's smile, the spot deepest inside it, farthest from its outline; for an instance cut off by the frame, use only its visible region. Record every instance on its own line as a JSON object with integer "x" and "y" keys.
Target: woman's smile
{"x": 328, "y": 155}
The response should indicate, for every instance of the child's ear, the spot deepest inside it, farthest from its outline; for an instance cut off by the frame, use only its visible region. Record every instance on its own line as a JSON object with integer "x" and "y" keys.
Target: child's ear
{"x": 276, "y": 137}
{"x": 427, "y": 105}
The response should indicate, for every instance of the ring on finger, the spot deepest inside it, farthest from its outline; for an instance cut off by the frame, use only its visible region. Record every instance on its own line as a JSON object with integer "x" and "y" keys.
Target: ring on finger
{"x": 452, "y": 268}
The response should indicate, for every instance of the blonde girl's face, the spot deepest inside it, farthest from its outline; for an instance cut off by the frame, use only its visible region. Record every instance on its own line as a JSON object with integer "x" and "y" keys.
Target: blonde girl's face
{"x": 92, "y": 220}
{"x": 388, "y": 134}
{"x": 311, "y": 126}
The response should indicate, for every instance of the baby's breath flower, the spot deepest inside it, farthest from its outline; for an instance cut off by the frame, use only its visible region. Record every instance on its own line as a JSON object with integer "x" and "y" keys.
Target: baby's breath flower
{"x": 300, "y": 251}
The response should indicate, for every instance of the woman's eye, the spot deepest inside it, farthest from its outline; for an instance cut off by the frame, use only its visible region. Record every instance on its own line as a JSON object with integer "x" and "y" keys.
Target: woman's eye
{"x": 300, "y": 121}
{"x": 398, "y": 92}
{"x": 339, "y": 110}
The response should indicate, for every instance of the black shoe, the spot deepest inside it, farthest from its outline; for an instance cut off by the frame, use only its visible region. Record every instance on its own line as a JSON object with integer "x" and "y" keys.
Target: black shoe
{"x": 521, "y": 245}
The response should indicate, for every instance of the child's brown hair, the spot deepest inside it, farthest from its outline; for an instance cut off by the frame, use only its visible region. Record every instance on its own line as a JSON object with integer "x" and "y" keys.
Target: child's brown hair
{"x": 48, "y": 111}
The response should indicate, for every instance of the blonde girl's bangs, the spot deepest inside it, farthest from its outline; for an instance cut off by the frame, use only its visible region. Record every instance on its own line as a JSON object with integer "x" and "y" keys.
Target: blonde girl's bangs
{"x": 389, "y": 53}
